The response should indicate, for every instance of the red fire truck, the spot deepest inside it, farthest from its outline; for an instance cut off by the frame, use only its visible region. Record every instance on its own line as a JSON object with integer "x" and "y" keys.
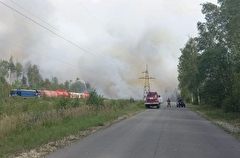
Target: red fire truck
{"x": 152, "y": 99}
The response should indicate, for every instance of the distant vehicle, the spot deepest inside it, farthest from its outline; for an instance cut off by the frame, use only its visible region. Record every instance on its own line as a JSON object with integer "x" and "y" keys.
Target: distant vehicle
{"x": 25, "y": 93}
{"x": 48, "y": 93}
{"x": 56, "y": 93}
{"x": 78, "y": 95}
{"x": 152, "y": 99}
{"x": 62, "y": 93}
{"x": 181, "y": 103}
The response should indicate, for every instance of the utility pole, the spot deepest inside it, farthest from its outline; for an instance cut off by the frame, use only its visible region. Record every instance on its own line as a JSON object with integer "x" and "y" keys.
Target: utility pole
{"x": 146, "y": 81}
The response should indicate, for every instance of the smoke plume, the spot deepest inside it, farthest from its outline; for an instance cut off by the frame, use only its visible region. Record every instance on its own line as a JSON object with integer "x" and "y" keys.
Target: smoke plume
{"x": 105, "y": 43}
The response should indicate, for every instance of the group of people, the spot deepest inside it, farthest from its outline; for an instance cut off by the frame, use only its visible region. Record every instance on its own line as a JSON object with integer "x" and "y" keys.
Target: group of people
{"x": 169, "y": 101}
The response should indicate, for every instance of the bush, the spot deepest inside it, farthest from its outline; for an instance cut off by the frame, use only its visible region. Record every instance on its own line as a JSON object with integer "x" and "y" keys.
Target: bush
{"x": 131, "y": 100}
{"x": 4, "y": 90}
{"x": 75, "y": 102}
{"x": 62, "y": 103}
{"x": 95, "y": 99}
{"x": 231, "y": 104}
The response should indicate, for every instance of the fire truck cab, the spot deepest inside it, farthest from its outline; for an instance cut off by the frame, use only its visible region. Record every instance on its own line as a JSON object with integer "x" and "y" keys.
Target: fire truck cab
{"x": 152, "y": 99}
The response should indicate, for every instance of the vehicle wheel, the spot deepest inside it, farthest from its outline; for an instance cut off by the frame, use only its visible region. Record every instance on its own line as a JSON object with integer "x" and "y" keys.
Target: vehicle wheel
{"x": 158, "y": 106}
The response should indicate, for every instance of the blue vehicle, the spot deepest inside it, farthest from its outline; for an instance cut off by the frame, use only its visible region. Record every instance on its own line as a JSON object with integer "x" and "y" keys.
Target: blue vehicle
{"x": 25, "y": 93}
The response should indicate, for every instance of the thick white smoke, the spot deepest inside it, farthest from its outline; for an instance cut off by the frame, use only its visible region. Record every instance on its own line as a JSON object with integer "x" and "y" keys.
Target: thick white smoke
{"x": 106, "y": 43}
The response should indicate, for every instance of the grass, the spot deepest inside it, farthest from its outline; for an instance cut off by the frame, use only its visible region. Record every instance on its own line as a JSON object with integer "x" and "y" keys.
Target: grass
{"x": 29, "y": 123}
{"x": 216, "y": 115}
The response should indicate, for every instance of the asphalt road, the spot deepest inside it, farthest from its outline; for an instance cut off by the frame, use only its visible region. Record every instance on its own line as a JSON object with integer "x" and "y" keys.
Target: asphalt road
{"x": 157, "y": 133}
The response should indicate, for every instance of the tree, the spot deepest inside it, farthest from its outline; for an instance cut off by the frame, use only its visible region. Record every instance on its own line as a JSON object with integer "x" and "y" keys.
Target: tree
{"x": 187, "y": 69}
{"x": 4, "y": 68}
{"x": 3, "y": 80}
{"x": 215, "y": 64}
{"x": 217, "y": 72}
{"x": 230, "y": 14}
{"x": 24, "y": 81}
{"x": 17, "y": 84}
{"x": 89, "y": 87}
{"x": 34, "y": 77}
{"x": 55, "y": 84}
{"x": 47, "y": 84}
{"x": 11, "y": 68}
{"x": 214, "y": 76}
{"x": 67, "y": 84}
{"x": 19, "y": 70}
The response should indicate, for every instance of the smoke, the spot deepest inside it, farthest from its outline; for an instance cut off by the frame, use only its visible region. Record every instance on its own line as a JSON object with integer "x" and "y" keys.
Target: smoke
{"x": 18, "y": 35}
{"x": 131, "y": 57}
{"x": 111, "y": 52}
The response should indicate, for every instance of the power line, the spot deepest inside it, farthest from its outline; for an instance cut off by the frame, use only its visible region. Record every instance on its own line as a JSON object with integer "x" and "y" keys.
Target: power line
{"x": 52, "y": 58}
{"x": 84, "y": 49}
{"x": 59, "y": 30}
{"x": 97, "y": 21}
{"x": 91, "y": 14}
{"x": 45, "y": 27}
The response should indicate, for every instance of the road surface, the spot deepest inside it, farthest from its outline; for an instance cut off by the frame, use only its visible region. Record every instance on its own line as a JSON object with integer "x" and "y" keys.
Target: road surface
{"x": 157, "y": 133}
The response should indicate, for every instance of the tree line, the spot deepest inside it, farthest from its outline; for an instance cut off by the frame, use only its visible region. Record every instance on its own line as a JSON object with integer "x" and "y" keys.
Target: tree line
{"x": 209, "y": 65}
{"x": 15, "y": 75}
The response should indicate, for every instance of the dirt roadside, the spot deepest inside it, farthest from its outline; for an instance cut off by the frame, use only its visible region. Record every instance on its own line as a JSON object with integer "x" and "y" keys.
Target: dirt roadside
{"x": 228, "y": 127}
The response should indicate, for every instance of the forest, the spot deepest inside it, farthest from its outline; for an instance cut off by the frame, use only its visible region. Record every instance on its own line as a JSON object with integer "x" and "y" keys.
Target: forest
{"x": 14, "y": 75}
{"x": 209, "y": 65}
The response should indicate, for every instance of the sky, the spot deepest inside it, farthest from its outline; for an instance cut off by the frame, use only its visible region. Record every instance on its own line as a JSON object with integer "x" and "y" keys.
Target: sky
{"x": 107, "y": 43}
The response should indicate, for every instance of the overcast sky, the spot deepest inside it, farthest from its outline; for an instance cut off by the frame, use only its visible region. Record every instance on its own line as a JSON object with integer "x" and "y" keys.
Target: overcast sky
{"x": 107, "y": 43}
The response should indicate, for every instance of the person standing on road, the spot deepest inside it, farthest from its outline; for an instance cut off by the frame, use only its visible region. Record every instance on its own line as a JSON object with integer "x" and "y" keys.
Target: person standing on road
{"x": 168, "y": 102}
{"x": 160, "y": 99}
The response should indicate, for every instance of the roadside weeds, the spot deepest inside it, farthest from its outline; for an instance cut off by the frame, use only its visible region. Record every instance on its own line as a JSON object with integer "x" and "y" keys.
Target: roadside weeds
{"x": 228, "y": 122}
{"x": 53, "y": 146}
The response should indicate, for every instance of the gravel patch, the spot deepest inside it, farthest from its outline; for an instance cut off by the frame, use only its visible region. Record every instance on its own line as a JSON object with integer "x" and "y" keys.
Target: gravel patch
{"x": 229, "y": 127}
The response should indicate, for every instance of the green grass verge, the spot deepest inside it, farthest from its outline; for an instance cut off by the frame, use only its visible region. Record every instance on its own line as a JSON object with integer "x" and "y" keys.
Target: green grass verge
{"x": 216, "y": 115}
{"x": 33, "y": 126}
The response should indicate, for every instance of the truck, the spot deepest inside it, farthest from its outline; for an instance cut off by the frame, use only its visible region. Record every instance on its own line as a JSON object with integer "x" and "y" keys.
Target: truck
{"x": 152, "y": 99}
{"x": 25, "y": 93}
{"x": 79, "y": 95}
{"x": 55, "y": 93}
